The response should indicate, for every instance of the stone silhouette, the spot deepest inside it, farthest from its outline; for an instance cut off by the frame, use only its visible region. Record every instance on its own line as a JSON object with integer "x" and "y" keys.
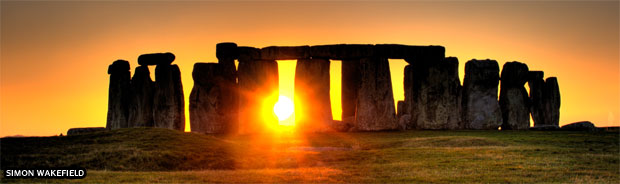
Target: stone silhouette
{"x": 225, "y": 99}
{"x": 258, "y": 89}
{"x": 375, "y": 100}
{"x": 350, "y": 84}
{"x": 168, "y": 103}
{"x": 226, "y": 54}
{"x": 141, "y": 102}
{"x": 513, "y": 98}
{"x": 156, "y": 59}
{"x": 313, "y": 112}
{"x": 207, "y": 103}
{"x": 551, "y": 102}
{"x": 435, "y": 94}
{"x": 118, "y": 95}
{"x": 537, "y": 97}
{"x": 580, "y": 126}
{"x": 480, "y": 106}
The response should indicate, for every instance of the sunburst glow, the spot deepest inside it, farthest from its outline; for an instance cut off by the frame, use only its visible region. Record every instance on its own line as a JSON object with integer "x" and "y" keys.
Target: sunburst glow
{"x": 284, "y": 108}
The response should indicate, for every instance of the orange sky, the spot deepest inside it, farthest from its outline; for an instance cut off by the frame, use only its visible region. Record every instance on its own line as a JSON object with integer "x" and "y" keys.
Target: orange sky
{"x": 54, "y": 55}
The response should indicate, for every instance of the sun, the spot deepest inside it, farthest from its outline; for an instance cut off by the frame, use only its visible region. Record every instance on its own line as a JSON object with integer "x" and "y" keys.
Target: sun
{"x": 284, "y": 108}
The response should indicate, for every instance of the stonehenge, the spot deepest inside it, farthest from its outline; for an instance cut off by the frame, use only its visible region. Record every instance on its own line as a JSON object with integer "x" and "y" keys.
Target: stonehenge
{"x": 232, "y": 98}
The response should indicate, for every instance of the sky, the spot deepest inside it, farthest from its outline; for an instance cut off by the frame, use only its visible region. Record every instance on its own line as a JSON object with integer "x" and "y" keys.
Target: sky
{"x": 55, "y": 55}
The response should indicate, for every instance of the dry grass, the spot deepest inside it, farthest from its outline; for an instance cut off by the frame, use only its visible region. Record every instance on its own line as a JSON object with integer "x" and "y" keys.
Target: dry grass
{"x": 410, "y": 156}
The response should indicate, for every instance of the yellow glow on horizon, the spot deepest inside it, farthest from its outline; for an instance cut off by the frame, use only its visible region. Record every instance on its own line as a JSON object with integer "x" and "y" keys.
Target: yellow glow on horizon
{"x": 47, "y": 87}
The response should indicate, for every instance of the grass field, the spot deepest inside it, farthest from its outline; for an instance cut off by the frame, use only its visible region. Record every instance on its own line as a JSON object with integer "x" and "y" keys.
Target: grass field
{"x": 161, "y": 155}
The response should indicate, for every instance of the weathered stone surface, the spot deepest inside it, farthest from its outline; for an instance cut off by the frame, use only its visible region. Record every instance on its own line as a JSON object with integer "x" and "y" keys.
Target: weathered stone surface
{"x": 119, "y": 95}
{"x": 551, "y": 102}
{"x": 513, "y": 98}
{"x": 480, "y": 106}
{"x": 580, "y": 126}
{"x": 141, "y": 102}
{"x": 168, "y": 103}
{"x": 209, "y": 112}
{"x": 375, "y": 100}
{"x": 537, "y": 106}
{"x": 248, "y": 53}
{"x": 313, "y": 112}
{"x": 75, "y": 131}
{"x": 226, "y": 50}
{"x": 258, "y": 93}
{"x": 435, "y": 94}
{"x": 342, "y": 51}
{"x": 226, "y": 54}
{"x": 396, "y": 51}
{"x": 400, "y": 108}
{"x": 350, "y": 82}
{"x": 285, "y": 53}
{"x": 407, "y": 123}
{"x": 401, "y": 115}
{"x": 156, "y": 59}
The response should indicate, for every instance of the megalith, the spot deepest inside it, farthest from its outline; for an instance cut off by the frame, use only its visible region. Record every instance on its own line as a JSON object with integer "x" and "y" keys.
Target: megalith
{"x": 375, "y": 100}
{"x": 481, "y": 110}
{"x": 552, "y": 102}
{"x": 313, "y": 112}
{"x": 141, "y": 103}
{"x": 536, "y": 83}
{"x": 350, "y": 83}
{"x": 435, "y": 93}
{"x": 168, "y": 103}
{"x": 258, "y": 93}
{"x": 407, "y": 110}
{"x": 208, "y": 110}
{"x": 513, "y": 98}
{"x": 119, "y": 95}
{"x": 156, "y": 59}
{"x": 226, "y": 54}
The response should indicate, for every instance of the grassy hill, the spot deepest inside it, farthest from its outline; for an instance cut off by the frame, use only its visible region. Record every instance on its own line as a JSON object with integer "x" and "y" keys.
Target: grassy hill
{"x": 139, "y": 154}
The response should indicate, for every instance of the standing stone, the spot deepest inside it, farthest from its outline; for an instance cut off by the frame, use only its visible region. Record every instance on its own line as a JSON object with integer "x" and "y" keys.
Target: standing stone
{"x": 435, "y": 93}
{"x": 537, "y": 86}
{"x": 481, "y": 109}
{"x": 313, "y": 112}
{"x": 350, "y": 84}
{"x": 208, "y": 110}
{"x": 513, "y": 98}
{"x": 407, "y": 123}
{"x": 119, "y": 95}
{"x": 226, "y": 54}
{"x": 551, "y": 102}
{"x": 168, "y": 103}
{"x": 141, "y": 106}
{"x": 258, "y": 93}
{"x": 375, "y": 100}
